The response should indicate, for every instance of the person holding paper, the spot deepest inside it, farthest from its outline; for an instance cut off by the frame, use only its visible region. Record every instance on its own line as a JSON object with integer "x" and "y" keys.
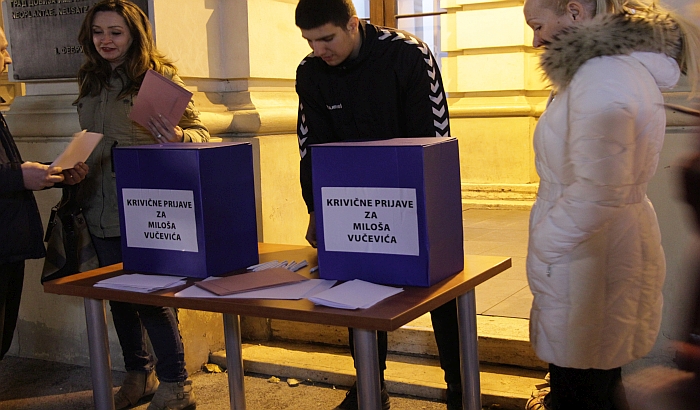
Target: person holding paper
{"x": 364, "y": 82}
{"x": 117, "y": 40}
{"x": 21, "y": 230}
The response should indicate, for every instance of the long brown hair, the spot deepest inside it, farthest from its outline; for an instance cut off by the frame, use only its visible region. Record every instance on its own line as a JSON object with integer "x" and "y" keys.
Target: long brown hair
{"x": 142, "y": 55}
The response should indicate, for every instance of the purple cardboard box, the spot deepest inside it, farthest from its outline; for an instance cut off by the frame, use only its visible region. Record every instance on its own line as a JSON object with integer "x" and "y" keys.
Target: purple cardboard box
{"x": 389, "y": 211}
{"x": 187, "y": 209}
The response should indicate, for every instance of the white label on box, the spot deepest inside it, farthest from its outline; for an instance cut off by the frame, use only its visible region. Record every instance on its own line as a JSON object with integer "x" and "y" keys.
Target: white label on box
{"x": 370, "y": 220}
{"x": 160, "y": 219}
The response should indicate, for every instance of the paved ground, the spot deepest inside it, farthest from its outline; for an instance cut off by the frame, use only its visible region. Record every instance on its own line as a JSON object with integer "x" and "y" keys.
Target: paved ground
{"x": 500, "y": 233}
{"x": 28, "y": 384}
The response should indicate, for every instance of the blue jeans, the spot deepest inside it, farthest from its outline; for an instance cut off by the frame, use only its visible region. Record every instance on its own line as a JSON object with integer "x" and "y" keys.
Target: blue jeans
{"x": 130, "y": 320}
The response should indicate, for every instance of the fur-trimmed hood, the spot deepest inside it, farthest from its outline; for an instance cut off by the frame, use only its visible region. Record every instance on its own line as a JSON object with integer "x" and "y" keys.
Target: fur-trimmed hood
{"x": 608, "y": 35}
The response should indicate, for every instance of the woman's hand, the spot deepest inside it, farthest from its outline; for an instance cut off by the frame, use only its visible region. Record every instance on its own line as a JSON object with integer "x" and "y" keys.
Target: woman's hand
{"x": 164, "y": 131}
{"x": 76, "y": 174}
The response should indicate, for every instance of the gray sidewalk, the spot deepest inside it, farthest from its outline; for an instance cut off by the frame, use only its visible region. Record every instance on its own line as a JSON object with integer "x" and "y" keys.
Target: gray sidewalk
{"x": 500, "y": 233}
{"x": 28, "y": 384}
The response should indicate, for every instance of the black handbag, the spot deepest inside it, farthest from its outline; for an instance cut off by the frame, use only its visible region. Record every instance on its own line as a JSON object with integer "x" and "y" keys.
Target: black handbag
{"x": 69, "y": 249}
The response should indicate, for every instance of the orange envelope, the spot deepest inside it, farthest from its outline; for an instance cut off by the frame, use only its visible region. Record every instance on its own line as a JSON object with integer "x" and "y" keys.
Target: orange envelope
{"x": 251, "y": 281}
{"x": 158, "y": 95}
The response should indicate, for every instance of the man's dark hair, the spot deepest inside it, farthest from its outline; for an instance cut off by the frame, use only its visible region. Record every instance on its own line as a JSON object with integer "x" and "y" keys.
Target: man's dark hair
{"x": 311, "y": 14}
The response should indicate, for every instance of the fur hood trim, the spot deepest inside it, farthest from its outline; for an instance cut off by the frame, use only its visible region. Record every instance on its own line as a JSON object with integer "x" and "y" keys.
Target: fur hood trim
{"x": 608, "y": 35}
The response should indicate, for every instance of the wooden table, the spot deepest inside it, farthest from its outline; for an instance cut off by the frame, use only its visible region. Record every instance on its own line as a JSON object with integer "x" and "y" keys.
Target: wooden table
{"x": 387, "y": 315}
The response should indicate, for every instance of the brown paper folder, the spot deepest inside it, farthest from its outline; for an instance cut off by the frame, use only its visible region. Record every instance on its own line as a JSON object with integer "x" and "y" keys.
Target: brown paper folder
{"x": 251, "y": 281}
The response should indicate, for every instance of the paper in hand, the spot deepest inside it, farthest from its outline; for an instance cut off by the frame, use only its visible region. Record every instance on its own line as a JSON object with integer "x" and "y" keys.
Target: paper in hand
{"x": 78, "y": 150}
{"x": 159, "y": 96}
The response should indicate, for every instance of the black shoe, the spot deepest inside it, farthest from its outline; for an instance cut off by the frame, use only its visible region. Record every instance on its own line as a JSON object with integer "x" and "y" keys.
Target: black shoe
{"x": 454, "y": 397}
{"x": 350, "y": 401}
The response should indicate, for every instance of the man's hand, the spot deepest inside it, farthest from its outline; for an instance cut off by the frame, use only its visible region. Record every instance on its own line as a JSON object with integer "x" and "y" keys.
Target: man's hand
{"x": 76, "y": 174}
{"x": 311, "y": 230}
{"x": 690, "y": 178}
{"x": 687, "y": 356}
{"x": 39, "y": 176}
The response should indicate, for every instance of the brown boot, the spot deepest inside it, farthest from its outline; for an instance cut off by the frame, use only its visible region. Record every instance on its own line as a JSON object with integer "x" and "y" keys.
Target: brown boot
{"x": 138, "y": 388}
{"x": 174, "y": 396}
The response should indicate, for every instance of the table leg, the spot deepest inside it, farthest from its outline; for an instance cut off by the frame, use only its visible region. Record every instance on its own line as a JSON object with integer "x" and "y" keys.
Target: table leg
{"x": 469, "y": 351}
{"x": 367, "y": 367}
{"x": 100, "y": 364}
{"x": 234, "y": 361}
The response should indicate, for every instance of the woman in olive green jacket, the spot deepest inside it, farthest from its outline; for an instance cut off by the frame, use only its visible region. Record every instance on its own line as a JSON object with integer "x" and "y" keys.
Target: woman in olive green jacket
{"x": 118, "y": 44}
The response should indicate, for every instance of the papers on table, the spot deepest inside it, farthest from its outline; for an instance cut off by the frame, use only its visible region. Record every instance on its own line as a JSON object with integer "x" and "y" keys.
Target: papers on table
{"x": 159, "y": 96}
{"x": 292, "y": 266}
{"x": 137, "y": 282}
{"x": 295, "y": 291}
{"x": 78, "y": 150}
{"x": 355, "y": 294}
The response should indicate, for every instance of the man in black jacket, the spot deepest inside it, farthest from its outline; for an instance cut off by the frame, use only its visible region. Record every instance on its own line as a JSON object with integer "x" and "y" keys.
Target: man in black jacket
{"x": 364, "y": 82}
{"x": 21, "y": 231}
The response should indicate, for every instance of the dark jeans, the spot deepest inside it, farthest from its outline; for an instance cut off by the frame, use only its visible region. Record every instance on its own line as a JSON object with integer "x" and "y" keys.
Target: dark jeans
{"x": 130, "y": 319}
{"x": 446, "y": 330}
{"x": 586, "y": 389}
{"x": 11, "y": 282}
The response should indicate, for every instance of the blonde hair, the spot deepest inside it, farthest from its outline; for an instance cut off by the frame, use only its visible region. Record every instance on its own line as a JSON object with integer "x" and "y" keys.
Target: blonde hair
{"x": 689, "y": 58}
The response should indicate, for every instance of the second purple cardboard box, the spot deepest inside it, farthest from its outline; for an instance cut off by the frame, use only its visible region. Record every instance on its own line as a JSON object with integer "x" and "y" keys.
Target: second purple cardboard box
{"x": 187, "y": 209}
{"x": 389, "y": 211}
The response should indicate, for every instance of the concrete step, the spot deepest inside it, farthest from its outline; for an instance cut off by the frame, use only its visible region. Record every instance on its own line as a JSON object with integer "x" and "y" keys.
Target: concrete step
{"x": 503, "y": 204}
{"x": 502, "y": 341}
{"x": 506, "y": 386}
{"x": 498, "y": 196}
{"x": 499, "y": 191}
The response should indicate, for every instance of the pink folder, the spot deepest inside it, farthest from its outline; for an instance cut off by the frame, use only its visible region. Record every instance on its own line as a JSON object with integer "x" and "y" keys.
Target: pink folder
{"x": 158, "y": 95}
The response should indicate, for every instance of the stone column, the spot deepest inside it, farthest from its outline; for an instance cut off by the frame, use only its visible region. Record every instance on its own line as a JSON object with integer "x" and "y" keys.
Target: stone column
{"x": 496, "y": 95}
{"x": 240, "y": 58}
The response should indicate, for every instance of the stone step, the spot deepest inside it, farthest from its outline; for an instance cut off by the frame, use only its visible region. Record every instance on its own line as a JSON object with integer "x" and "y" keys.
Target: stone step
{"x": 502, "y": 341}
{"x": 498, "y": 196}
{"x": 499, "y": 191}
{"x": 506, "y": 386}
{"x": 502, "y": 204}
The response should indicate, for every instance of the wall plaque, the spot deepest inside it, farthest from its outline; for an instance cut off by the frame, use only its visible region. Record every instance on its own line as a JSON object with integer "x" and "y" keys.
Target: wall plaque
{"x": 43, "y": 36}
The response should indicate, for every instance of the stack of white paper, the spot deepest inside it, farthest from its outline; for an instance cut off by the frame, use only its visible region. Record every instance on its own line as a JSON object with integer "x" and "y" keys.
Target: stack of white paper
{"x": 137, "y": 282}
{"x": 355, "y": 294}
{"x": 294, "y": 291}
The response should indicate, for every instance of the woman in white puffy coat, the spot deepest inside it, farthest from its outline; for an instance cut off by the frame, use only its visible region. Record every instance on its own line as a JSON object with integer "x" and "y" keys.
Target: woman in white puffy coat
{"x": 595, "y": 263}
